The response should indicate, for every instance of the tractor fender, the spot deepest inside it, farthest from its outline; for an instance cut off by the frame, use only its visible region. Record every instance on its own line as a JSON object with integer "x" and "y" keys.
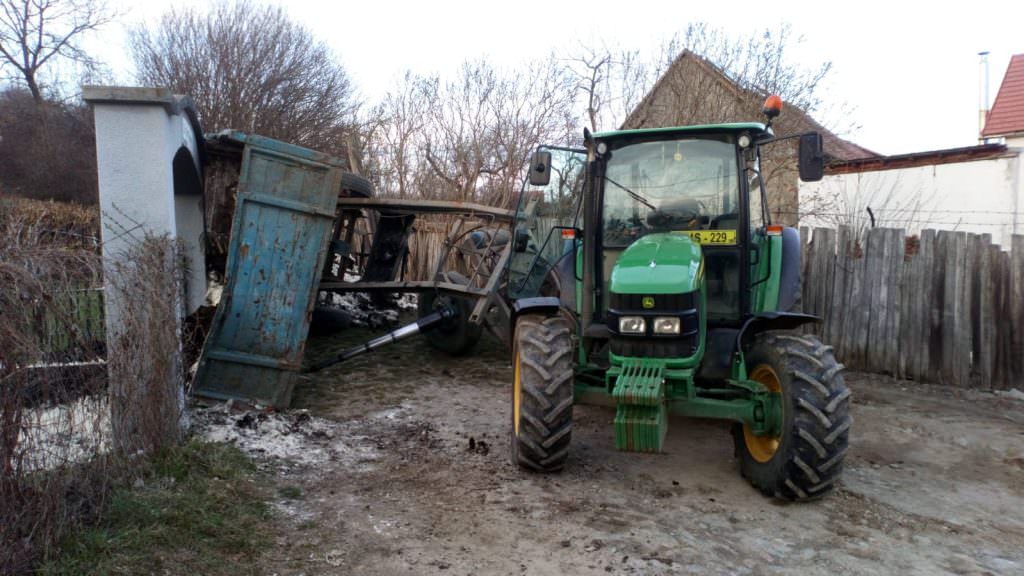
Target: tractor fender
{"x": 765, "y": 321}
{"x": 546, "y": 305}
{"x": 789, "y": 275}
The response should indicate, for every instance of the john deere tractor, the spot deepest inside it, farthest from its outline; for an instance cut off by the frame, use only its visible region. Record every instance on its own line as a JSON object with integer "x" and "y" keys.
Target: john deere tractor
{"x": 646, "y": 274}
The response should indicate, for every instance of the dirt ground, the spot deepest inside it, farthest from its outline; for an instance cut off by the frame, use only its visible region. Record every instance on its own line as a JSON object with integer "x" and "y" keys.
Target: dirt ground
{"x": 396, "y": 463}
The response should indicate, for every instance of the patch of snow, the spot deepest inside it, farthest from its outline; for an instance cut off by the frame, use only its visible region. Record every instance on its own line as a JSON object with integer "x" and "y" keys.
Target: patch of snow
{"x": 214, "y": 291}
{"x": 64, "y": 434}
{"x": 293, "y": 437}
{"x": 1011, "y": 393}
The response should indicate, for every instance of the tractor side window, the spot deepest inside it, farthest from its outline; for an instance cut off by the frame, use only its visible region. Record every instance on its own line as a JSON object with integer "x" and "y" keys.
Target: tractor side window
{"x": 756, "y": 201}
{"x": 542, "y": 238}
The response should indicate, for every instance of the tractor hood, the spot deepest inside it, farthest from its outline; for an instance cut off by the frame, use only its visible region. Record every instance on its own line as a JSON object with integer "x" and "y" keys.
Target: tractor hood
{"x": 659, "y": 264}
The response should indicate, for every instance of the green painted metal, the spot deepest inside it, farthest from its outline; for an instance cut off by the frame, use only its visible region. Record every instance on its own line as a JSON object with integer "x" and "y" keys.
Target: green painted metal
{"x": 661, "y": 263}
{"x": 641, "y": 418}
{"x": 282, "y": 224}
{"x": 757, "y": 130}
{"x": 765, "y": 294}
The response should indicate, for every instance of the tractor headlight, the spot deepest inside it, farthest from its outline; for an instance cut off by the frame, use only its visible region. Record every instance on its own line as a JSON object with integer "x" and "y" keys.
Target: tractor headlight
{"x": 632, "y": 325}
{"x": 666, "y": 325}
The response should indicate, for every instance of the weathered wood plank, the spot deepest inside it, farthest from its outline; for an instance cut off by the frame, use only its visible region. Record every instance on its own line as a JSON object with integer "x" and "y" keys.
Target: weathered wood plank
{"x": 953, "y": 310}
{"x": 876, "y": 308}
{"x": 840, "y": 304}
{"x": 964, "y": 345}
{"x": 894, "y": 278}
{"x": 923, "y": 305}
{"x": 857, "y": 313}
{"x": 938, "y": 282}
{"x": 1016, "y": 310}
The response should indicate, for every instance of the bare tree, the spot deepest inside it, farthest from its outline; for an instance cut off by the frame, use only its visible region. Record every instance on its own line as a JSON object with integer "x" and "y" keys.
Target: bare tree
{"x": 250, "y": 67}
{"x": 611, "y": 82}
{"x": 34, "y": 33}
{"x": 468, "y": 137}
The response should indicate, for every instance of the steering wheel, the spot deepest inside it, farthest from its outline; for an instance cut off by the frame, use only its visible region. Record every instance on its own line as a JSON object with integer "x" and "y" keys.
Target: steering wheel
{"x": 683, "y": 214}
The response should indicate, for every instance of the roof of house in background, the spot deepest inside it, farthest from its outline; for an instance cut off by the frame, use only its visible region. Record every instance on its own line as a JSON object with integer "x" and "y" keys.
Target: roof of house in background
{"x": 1007, "y": 115}
{"x": 836, "y": 148}
{"x": 918, "y": 159}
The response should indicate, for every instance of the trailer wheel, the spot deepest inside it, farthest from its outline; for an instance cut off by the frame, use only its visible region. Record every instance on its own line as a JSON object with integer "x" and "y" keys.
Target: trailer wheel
{"x": 542, "y": 393}
{"x": 354, "y": 186}
{"x": 457, "y": 336}
{"x": 806, "y": 459}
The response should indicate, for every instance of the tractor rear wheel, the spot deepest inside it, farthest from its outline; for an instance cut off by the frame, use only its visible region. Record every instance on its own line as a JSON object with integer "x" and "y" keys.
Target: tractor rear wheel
{"x": 542, "y": 392}
{"x": 806, "y": 459}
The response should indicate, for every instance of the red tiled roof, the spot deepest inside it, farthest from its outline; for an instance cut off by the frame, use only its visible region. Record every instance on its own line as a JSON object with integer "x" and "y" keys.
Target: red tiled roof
{"x": 1007, "y": 114}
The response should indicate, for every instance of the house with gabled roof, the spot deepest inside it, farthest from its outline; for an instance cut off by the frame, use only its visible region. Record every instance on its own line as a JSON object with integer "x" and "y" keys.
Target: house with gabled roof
{"x": 977, "y": 189}
{"x": 694, "y": 91}
{"x": 1006, "y": 119}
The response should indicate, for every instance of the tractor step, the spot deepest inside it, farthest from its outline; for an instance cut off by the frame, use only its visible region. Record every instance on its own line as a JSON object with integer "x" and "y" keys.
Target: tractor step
{"x": 641, "y": 418}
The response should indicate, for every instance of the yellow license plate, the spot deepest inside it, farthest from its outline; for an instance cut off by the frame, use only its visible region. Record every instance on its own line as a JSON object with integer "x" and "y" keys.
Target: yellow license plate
{"x": 711, "y": 237}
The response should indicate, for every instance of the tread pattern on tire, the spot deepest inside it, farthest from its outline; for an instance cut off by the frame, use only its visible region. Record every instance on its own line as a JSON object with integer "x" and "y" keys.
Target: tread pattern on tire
{"x": 355, "y": 186}
{"x": 813, "y": 448}
{"x": 544, "y": 347}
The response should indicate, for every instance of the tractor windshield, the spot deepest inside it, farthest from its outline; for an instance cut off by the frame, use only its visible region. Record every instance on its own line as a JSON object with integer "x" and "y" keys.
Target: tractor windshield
{"x": 670, "y": 185}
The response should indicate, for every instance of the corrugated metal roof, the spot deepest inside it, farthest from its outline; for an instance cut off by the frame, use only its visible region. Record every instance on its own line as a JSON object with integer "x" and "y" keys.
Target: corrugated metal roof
{"x": 1007, "y": 114}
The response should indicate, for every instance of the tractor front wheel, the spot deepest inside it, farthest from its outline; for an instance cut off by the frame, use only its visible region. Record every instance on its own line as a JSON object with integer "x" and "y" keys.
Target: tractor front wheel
{"x": 805, "y": 460}
{"x": 542, "y": 392}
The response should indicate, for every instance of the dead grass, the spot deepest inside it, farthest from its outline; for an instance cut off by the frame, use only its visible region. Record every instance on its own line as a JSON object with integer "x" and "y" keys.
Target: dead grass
{"x": 195, "y": 509}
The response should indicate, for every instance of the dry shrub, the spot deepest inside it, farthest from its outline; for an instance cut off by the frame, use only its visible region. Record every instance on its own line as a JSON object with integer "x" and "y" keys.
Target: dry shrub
{"x": 57, "y": 457}
{"x": 48, "y": 148}
{"x": 146, "y": 379}
{"x": 46, "y": 430}
{"x": 28, "y": 222}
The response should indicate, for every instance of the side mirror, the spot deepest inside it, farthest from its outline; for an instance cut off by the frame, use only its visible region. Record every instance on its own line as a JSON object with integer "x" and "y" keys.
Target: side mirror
{"x": 812, "y": 157}
{"x": 540, "y": 168}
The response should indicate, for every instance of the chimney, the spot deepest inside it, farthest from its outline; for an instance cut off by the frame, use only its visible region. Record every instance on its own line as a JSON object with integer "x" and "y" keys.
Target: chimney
{"x": 982, "y": 93}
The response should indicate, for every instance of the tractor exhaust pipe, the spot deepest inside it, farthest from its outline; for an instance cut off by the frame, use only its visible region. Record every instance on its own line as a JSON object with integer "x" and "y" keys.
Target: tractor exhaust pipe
{"x": 422, "y": 325}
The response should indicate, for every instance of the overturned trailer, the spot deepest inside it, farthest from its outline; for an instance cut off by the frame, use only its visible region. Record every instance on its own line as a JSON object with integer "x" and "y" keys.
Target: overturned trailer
{"x": 295, "y": 227}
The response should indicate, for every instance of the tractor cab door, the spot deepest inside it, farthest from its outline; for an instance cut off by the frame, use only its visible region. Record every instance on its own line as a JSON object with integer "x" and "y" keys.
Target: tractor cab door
{"x": 546, "y": 230}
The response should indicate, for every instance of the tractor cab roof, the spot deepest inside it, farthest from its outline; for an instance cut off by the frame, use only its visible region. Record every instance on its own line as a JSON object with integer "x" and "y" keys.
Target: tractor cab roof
{"x": 756, "y": 130}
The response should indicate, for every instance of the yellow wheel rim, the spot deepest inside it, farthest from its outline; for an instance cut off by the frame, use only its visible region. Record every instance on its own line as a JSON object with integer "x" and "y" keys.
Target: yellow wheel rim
{"x": 516, "y": 394}
{"x": 762, "y": 448}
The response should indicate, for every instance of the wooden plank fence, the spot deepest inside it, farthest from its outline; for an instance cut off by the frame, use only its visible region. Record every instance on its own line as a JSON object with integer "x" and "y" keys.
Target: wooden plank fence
{"x": 948, "y": 308}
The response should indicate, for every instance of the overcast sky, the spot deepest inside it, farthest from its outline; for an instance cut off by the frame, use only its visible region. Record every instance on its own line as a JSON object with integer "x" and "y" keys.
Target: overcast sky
{"x": 909, "y": 71}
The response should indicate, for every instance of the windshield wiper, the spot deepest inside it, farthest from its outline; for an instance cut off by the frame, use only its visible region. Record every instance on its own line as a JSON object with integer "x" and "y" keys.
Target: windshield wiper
{"x": 635, "y": 196}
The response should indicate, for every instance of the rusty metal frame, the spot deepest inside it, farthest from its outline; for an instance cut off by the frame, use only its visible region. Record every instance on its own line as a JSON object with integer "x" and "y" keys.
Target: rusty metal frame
{"x": 486, "y": 296}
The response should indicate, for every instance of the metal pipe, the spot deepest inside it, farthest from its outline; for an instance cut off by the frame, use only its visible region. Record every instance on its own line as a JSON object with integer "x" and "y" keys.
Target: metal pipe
{"x": 422, "y": 325}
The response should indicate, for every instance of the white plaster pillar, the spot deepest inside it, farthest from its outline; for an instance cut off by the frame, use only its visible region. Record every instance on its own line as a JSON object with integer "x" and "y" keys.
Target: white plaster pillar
{"x": 150, "y": 182}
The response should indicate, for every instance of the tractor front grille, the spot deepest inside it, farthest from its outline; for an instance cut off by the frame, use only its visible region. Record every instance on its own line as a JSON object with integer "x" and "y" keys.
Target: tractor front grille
{"x": 684, "y": 306}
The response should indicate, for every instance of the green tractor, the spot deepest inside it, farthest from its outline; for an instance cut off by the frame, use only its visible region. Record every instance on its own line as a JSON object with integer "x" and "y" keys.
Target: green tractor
{"x": 645, "y": 274}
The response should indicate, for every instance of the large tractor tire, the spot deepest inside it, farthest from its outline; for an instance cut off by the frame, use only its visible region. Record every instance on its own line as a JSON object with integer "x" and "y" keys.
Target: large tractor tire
{"x": 456, "y": 336}
{"x": 542, "y": 393}
{"x": 806, "y": 459}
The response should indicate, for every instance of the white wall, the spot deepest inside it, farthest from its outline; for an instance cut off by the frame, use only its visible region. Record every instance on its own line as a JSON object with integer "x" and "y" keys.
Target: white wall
{"x": 981, "y": 197}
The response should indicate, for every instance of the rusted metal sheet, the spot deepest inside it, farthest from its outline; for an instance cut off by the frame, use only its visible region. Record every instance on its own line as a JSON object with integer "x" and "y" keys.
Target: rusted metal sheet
{"x": 428, "y": 207}
{"x": 279, "y": 235}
